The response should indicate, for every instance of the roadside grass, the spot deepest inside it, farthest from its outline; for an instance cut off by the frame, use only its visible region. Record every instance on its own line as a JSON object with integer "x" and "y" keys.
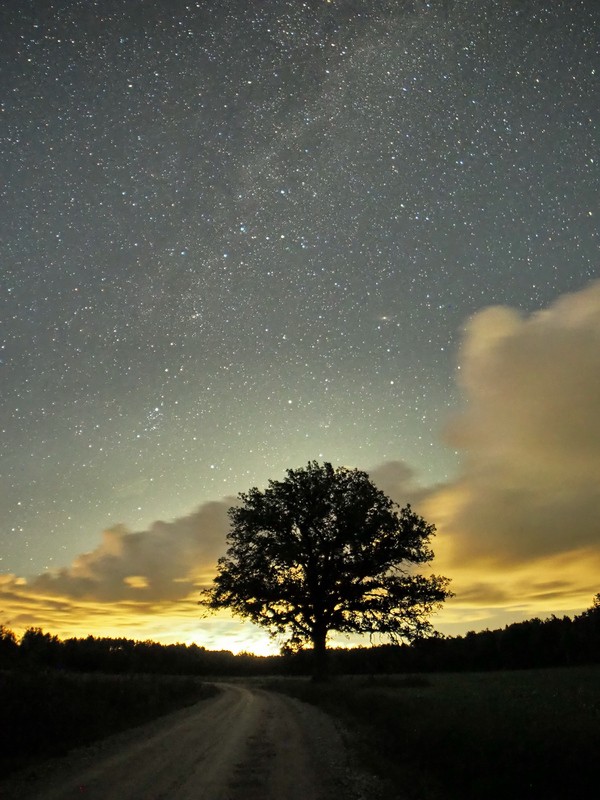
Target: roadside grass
{"x": 524, "y": 734}
{"x": 45, "y": 714}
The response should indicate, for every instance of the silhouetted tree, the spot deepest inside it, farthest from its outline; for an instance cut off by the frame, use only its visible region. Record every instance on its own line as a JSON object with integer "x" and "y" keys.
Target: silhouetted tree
{"x": 587, "y": 626}
{"x": 8, "y": 646}
{"x": 325, "y": 550}
{"x": 40, "y": 649}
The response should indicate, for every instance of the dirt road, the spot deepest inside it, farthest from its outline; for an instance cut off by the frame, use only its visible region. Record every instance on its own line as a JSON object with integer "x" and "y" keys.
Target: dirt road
{"x": 243, "y": 743}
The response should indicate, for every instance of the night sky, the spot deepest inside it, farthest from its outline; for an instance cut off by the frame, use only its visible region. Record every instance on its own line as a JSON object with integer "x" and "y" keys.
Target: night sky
{"x": 238, "y": 236}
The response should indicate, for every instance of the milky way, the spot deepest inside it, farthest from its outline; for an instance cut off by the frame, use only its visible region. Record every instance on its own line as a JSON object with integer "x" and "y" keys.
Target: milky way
{"x": 237, "y": 236}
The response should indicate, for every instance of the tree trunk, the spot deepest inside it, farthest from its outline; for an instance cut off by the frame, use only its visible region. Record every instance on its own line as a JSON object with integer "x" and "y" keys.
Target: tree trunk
{"x": 320, "y": 660}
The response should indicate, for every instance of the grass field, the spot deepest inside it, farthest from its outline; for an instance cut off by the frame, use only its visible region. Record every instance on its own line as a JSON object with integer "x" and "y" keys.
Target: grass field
{"x": 45, "y": 714}
{"x": 523, "y": 734}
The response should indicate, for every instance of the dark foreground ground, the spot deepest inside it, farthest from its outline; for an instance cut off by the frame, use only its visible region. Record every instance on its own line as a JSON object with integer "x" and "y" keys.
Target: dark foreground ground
{"x": 243, "y": 743}
{"x": 521, "y": 734}
{"x": 497, "y": 735}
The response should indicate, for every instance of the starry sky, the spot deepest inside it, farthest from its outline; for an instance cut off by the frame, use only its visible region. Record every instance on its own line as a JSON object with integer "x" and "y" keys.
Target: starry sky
{"x": 238, "y": 236}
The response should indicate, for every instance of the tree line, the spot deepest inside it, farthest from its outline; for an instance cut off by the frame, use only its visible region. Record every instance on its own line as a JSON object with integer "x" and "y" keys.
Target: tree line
{"x": 535, "y": 643}
{"x": 552, "y": 642}
{"x": 37, "y": 649}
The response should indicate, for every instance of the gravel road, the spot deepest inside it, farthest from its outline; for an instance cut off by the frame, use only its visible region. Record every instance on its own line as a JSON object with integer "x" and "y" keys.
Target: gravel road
{"x": 243, "y": 743}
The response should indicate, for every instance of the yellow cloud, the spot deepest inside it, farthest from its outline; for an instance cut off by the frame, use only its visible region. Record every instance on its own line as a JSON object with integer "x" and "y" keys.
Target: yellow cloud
{"x": 521, "y": 524}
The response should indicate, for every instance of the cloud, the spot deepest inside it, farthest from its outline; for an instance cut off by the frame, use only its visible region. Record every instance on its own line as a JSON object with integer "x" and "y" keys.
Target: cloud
{"x": 396, "y": 479}
{"x": 528, "y": 497}
{"x": 163, "y": 563}
{"x": 130, "y": 576}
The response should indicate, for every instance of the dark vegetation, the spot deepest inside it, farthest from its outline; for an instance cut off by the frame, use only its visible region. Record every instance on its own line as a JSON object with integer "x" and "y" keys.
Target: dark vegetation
{"x": 465, "y": 736}
{"x": 326, "y": 550}
{"x": 44, "y": 714}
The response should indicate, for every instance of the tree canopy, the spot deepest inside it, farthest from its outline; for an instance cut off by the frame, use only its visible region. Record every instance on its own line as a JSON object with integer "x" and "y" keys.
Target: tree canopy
{"x": 325, "y": 550}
